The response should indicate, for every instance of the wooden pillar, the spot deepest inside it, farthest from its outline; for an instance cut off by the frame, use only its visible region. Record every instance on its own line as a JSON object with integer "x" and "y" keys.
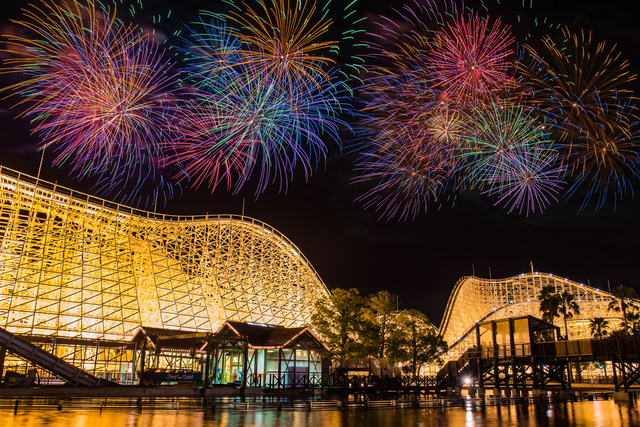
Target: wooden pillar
{"x": 493, "y": 338}
{"x": 496, "y": 356}
{"x": 295, "y": 376}
{"x": 95, "y": 362}
{"x": 622, "y": 367}
{"x": 281, "y": 383}
{"x": 3, "y": 353}
{"x": 480, "y": 364}
{"x": 264, "y": 368}
{"x": 255, "y": 364}
{"x": 143, "y": 355}
{"x": 134, "y": 361}
{"x": 207, "y": 363}
{"x": 512, "y": 353}
{"x": 245, "y": 365}
{"x": 308, "y": 380}
{"x": 511, "y": 338}
{"x": 215, "y": 366}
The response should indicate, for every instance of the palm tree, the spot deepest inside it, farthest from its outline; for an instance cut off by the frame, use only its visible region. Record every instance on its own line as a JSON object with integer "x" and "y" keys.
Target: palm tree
{"x": 634, "y": 320}
{"x": 598, "y": 327}
{"x": 567, "y": 307}
{"x": 549, "y": 303}
{"x": 623, "y": 303}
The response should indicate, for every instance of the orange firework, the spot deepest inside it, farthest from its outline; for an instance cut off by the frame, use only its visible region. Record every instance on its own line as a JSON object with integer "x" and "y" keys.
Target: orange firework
{"x": 284, "y": 40}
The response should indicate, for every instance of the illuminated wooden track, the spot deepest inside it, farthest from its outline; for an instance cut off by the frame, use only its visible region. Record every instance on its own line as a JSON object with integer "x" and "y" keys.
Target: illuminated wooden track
{"x": 77, "y": 266}
{"x": 474, "y": 299}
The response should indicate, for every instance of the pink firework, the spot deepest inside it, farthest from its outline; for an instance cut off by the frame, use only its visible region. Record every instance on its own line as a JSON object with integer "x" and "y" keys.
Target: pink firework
{"x": 470, "y": 58}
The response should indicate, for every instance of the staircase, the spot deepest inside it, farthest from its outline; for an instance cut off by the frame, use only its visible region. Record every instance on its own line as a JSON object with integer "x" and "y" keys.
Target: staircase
{"x": 455, "y": 372}
{"x": 71, "y": 374}
{"x": 380, "y": 368}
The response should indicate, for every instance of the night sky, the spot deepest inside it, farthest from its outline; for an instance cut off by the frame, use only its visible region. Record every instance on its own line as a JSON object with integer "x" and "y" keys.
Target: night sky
{"x": 420, "y": 260}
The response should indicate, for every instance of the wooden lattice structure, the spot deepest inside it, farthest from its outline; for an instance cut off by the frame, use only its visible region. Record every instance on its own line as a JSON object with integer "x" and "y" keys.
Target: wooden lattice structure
{"x": 475, "y": 300}
{"x": 74, "y": 265}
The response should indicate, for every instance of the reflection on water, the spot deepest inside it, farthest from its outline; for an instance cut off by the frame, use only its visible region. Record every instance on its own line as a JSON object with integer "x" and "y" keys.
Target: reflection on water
{"x": 578, "y": 414}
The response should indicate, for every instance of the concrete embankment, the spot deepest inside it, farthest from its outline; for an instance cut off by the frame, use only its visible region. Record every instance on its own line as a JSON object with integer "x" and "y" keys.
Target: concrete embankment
{"x": 126, "y": 391}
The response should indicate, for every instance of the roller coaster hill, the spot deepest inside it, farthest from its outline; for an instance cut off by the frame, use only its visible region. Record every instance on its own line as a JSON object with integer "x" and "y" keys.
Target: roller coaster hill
{"x": 93, "y": 293}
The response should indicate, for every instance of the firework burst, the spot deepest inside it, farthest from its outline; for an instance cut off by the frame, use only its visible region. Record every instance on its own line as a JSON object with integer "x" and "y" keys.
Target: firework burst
{"x": 283, "y": 39}
{"x": 410, "y": 157}
{"x": 470, "y": 58}
{"x": 96, "y": 90}
{"x": 577, "y": 89}
{"x": 508, "y": 152}
{"x": 576, "y": 86}
{"x": 267, "y": 123}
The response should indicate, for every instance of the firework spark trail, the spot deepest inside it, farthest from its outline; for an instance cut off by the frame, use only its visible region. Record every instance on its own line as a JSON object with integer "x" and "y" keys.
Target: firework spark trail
{"x": 610, "y": 161}
{"x": 406, "y": 181}
{"x": 410, "y": 165}
{"x": 96, "y": 90}
{"x": 528, "y": 178}
{"x": 404, "y": 41}
{"x": 213, "y": 55}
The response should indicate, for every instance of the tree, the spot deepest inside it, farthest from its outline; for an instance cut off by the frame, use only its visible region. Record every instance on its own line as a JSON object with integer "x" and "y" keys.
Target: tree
{"x": 415, "y": 341}
{"x": 599, "y": 327}
{"x": 337, "y": 321}
{"x": 623, "y": 303}
{"x": 568, "y": 307}
{"x": 377, "y": 324}
{"x": 549, "y": 303}
{"x": 634, "y": 321}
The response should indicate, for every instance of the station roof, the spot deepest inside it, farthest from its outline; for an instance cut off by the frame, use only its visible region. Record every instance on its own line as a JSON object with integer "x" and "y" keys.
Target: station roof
{"x": 268, "y": 336}
{"x": 257, "y": 336}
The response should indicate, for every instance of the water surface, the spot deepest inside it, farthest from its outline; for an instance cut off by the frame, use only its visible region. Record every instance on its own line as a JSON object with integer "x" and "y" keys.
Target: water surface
{"x": 573, "y": 414}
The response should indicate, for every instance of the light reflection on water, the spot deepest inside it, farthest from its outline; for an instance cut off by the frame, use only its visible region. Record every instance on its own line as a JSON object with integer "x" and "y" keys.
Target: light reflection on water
{"x": 576, "y": 414}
